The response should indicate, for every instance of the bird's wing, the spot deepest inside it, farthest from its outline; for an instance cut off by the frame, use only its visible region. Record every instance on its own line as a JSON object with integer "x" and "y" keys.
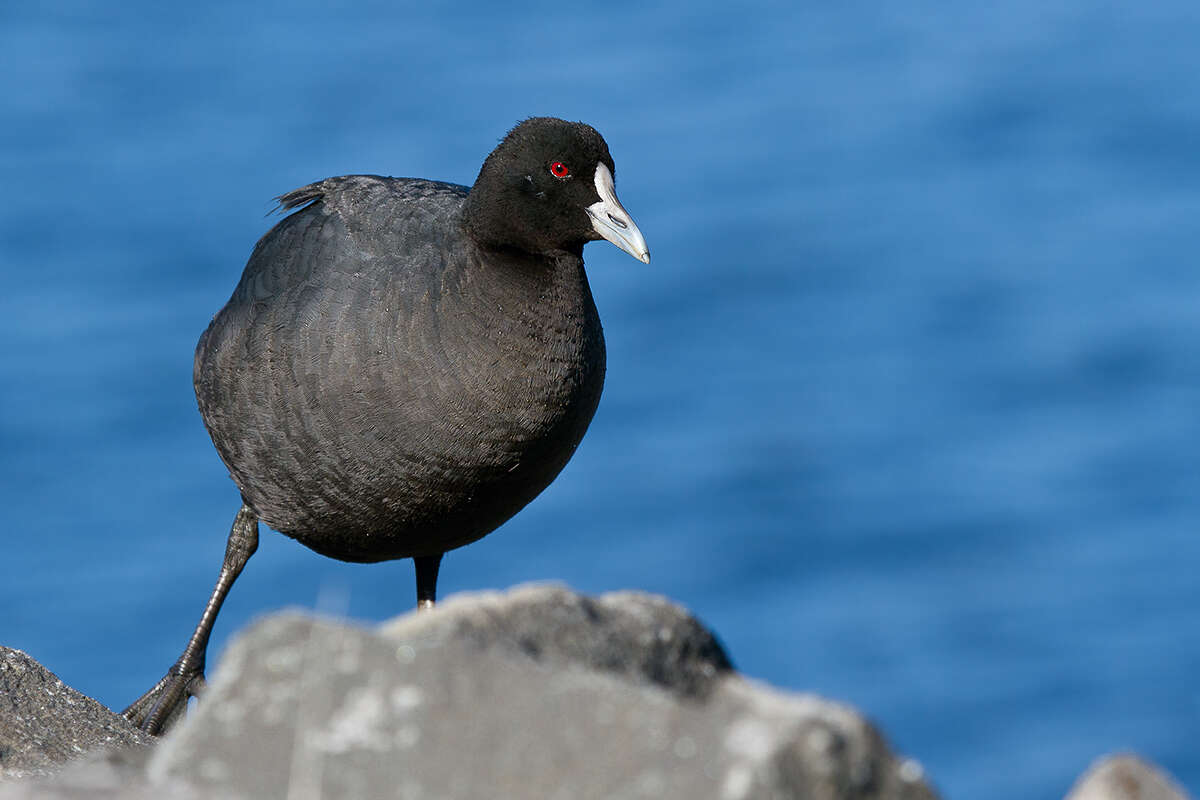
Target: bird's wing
{"x": 337, "y": 300}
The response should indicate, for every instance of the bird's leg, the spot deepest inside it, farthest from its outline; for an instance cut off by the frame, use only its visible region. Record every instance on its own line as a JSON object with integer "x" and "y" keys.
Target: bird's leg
{"x": 159, "y": 708}
{"x": 427, "y": 572}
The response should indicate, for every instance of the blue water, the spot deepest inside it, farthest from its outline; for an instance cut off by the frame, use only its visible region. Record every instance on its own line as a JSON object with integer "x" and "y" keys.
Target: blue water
{"x": 907, "y": 405}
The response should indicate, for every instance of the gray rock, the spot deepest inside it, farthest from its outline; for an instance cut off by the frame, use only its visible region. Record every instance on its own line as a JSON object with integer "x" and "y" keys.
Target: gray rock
{"x": 101, "y": 775}
{"x": 640, "y": 637}
{"x": 538, "y": 693}
{"x": 1125, "y": 777}
{"x": 44, "y": 723}
{"x": 535, "y": 693}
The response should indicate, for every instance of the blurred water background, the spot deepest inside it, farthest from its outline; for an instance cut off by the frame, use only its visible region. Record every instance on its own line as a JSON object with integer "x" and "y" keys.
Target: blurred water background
{"x": 907, "y": 405}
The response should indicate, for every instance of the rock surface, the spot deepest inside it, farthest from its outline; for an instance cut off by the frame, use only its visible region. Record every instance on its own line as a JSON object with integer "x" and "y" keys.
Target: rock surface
{"x": 1125, "y": 777}
{"x": 538, "y": 693}
{"x": 45, "y": 724}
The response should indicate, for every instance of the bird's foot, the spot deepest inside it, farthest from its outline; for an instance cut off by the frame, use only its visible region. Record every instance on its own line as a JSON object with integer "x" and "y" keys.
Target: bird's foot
{"x": 159, "y": 709}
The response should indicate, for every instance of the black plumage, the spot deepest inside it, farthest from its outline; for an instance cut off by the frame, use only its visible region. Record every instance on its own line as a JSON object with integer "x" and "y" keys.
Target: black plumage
{"x": 405, "y": 364}
{"x": 376, "y": 407}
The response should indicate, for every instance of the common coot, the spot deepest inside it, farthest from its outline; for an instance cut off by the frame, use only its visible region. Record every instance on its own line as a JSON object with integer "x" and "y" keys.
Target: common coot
{"x": 405, "y": 363}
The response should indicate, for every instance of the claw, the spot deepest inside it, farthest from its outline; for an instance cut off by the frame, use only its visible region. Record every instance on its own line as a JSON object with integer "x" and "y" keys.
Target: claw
{"x": 158, "y": 710}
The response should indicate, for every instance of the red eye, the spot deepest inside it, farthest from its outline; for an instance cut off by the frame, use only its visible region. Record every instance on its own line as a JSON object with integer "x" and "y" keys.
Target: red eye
{"x": 559, "y": 170}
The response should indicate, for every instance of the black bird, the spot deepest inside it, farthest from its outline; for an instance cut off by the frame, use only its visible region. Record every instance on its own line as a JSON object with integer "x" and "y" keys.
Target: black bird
{"x": 405, "y": 363}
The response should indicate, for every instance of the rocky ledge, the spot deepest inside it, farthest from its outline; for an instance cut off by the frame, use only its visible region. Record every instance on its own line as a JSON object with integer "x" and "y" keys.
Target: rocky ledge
{"x": 538, "y": 692}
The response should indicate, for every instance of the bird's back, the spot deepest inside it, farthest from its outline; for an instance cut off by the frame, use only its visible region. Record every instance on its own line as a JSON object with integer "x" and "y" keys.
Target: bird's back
{"x": 381, "y": 387}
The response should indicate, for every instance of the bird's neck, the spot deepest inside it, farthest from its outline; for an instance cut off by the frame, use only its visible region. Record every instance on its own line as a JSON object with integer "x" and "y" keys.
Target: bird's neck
{"x": 496, "y": 219}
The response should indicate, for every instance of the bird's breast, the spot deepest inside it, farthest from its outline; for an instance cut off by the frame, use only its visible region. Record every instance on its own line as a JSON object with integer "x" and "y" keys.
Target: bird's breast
{"x": 521, "y": 371}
